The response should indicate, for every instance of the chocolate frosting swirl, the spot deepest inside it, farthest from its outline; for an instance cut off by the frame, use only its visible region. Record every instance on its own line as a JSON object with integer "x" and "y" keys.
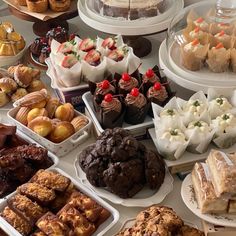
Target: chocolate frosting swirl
{"x": 161, "y": 94}
{"x": 100, "y": 90}
{"x": 139, "y": 101}
{"x": 128, "y": 85}
{"x": 113, "y": 105}
{"x": 152, "y": 80}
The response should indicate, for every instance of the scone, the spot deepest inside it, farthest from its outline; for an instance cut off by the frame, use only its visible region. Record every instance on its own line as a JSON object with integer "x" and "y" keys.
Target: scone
{"x": 59, "y": 5}
{"x": 37, "y": 5}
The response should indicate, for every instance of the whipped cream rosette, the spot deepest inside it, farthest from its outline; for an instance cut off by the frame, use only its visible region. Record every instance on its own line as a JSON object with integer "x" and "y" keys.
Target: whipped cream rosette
{"x": 200, "y": 134}
{"x": 225, "y": 130}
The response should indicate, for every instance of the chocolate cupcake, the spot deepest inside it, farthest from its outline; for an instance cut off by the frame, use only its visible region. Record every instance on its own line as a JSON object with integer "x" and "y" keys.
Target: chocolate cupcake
{"x": 102, "y": 89}
{"x": 136, "y": 107}
{"x": 127, "y": 83}
{"x": 149, "y": 79}
{"x": 37, "y": 46}
{"x": 157, "y": 94}
{"x": 59, "y": 34}
{"x": 45, "y": 52}
{"x": 111, "y": 112}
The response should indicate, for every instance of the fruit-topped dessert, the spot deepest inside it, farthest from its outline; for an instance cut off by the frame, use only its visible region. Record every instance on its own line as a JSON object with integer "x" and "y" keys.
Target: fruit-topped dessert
{"x": 69, "y": 60}
{"x": 111, "y": 112}
{"x": 117, "y": 54}
{"x": 127, "y": 83}
{"x": 109, "y": 43}
{"x": 102, "y": 89}
{"x": 136, "y": 107}
{"x": 202, "y": 24}
{"x": 149, "y": 79}
{"x": 93, "y": 57}
{"x": 59, "y": 34}
{"x": 87, "y": 44}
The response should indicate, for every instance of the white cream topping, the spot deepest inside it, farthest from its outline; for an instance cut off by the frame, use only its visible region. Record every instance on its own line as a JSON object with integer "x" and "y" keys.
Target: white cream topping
{"x": 196, "y": 107}
{"x": 192, "y": 48}
{"x": 174, "y": 136}
{"x": 169, "y": 112}
{"x": 198, "y": 34}
{"x": 203, "y": 24}
{"x": 220, "y": 36}
{"x": 221, "y": 103}
{"x": 199, "y": 126}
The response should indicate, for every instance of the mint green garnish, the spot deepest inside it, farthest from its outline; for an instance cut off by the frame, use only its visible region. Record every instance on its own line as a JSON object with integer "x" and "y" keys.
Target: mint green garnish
{"x": 220, "y": 101}
{"x": 196, "y": 104}
{"x": 198, "y": 124}
{"x": 174, "y": 132}
{"x": 170, "y": 112}
{"x": 225, "y": 117}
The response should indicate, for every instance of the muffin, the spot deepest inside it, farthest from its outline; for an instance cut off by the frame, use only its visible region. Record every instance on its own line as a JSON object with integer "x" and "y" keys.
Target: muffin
{"x": 37, "y": 46}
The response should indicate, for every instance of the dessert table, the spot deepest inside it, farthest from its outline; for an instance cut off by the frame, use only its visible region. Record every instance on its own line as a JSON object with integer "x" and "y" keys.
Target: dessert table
{"x": 67, "y": 163}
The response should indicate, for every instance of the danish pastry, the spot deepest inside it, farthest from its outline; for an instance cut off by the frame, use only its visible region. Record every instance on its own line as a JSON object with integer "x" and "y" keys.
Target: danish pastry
{"x": 35, "y": 112}
{"x": 7, "y": 85}
{"x": 65, "y": 112}
{"x": 37, "y": 5}
{"x": 22, "y": 114}
{"x": 59, "y": 5}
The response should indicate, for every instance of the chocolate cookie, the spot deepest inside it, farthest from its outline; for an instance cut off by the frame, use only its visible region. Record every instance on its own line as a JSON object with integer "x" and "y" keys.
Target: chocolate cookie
{"x": 83, "y": 156}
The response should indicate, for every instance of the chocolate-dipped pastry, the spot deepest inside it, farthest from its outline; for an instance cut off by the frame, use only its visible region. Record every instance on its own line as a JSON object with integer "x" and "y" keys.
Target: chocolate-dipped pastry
{"x": 149, "y": 79}
{"x": 111, "y": 112}
{"x": 126, "y": 84}
{"x": 136, "y": 107}
{"x": 5, "y": 130}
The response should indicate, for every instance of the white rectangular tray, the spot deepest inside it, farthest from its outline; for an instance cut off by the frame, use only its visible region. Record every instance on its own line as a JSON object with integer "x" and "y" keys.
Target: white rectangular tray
{"x": 136, "y": 130}
{"x": 103, "y": 228}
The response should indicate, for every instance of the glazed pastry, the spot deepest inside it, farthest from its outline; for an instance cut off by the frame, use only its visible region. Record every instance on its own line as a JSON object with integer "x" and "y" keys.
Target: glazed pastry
{"x": 61, "y": 132}
{"x": 22, "y": 114}
{"x": 36, "y": 192}
{"x": 20, "y": 93}
{"x": 4, "y": 99}
{"x": 207, "y": 200}
{"x": 79, "y": 122}
{"x": 35, "y": 85}
{"x": 127, "y": 83}
{"x": 51, "y": 106}
{"x": 7, "y": 85}
{"x": 51, "y": 180}
{"x": 17, "y": 39}
{"x": 59, "y": 6}
{"x": 35, "y": 112}
{"x": 65, "y": 112}
{"x": 36, "y": 99}
{"x": 187, "y": 230}
{"x": 8, "y": 48}
{"x": 20, "y": 224}
{"x": 38, "y": 233}
{"x": 37, "y": 5}
{"x": 41, "y": 125}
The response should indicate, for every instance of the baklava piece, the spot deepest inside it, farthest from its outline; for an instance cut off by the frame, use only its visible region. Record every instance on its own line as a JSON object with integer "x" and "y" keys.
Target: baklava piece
{"x": 24, "y": 207}
{"x": 20, "y": 224}
{"x": 51, "y": 225}
{"x": 51, "y": 180}
{"x": 38, "y": 193}
{"x": 77, "y": 222}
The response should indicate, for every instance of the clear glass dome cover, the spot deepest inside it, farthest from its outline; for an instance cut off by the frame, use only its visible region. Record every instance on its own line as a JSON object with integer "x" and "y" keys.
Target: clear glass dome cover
{"x": 200, "y": 44}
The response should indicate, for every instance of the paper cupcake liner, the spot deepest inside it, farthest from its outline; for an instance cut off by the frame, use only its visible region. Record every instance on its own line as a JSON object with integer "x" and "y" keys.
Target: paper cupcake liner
{"x": 225, "y": 141}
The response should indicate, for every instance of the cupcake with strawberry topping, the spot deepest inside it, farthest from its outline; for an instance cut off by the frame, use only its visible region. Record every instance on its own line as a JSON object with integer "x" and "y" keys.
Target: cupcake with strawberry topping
{"x": 117, "y": 54}
{"x": 109, "y": 43}
{"x": 111, "y": 112}
{"x": 127, "y": 83}
{"x": 149, "y": 79}
{"x": 136, "y": 107}
{"x": 87, "y": 44}
{"x": 93, "y": 57}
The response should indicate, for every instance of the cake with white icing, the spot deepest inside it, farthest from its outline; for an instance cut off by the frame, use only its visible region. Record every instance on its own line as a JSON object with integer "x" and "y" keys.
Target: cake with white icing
{"x": 129, "y": 9}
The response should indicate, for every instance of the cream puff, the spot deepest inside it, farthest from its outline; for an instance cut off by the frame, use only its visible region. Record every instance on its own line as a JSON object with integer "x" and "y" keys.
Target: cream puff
{"x": 51, "y": 106}
{"x": 41, "y": 125}
{"x": 20, "y": 93}
{"x": 4, "y": 99}
{"x": 35, "y": 112}
{"x": 35, "y": 85}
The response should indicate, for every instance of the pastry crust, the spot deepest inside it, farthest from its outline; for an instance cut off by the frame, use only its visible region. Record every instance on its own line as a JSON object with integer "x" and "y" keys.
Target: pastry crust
{"x": 35, "y": 85}
{"x": 7, "y": 85}
{"x": 20, "y": 93}
{"x": 79, "y": 122}
{"x": 4, "y": 99}
{"x": 36, "y": 112}
{"x": 59, "y": 5}
{"x": 37, "y": 5}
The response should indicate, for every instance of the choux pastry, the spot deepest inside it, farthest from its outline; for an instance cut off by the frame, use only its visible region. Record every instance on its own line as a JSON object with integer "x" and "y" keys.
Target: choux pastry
{"x": 41, "y": 125}
{"x": 65, "y": 112}
{"x": 79, "y": 122}
{"x": 8, "y": 85}
{"x": 3, "y": 99}
{"x": 22, "y": 114}
{"x": 19, "y": 93}
{"x": 51, "y": 106}
{"x": 35, "y": 85}
{"x": 35, "y": 112}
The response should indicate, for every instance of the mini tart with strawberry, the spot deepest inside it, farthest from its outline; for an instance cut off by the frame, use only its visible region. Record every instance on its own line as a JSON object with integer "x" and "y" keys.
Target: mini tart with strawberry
{"x": 87, "y": 44}
{"x": 93, "y": 57}
{"x": 127, "y": 83}
{"x": 117, "y": 54}
{"x": 109, "y": 43}
{"x": 149, "y": 79}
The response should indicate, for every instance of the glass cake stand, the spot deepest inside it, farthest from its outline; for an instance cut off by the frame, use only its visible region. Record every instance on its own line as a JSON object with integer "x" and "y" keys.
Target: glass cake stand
{"x": 132, "y": 30}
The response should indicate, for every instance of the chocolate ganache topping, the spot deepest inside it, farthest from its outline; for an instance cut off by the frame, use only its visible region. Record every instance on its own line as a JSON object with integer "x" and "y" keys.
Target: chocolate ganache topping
{"x": 138, "y": 101}
{"x": 160, "y": 94}
{"x": 128, "y": 85}
{"x": 113, "y": 105}
{"x": 103, "y": 90}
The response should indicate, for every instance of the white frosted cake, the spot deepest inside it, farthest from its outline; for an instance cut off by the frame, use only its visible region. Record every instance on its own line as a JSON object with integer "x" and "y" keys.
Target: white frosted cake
{"x": 129, "y": 9}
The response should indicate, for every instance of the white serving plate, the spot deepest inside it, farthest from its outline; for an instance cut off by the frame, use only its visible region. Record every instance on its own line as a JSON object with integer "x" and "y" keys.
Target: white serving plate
{"x": 174, "y": 75}
{"x": 135, "y": 130}
{"x": 60, "y": 149}
{"x": 144, "y": 198}
{"x": 187, "y": 193}
{"x": 108, "y": 224}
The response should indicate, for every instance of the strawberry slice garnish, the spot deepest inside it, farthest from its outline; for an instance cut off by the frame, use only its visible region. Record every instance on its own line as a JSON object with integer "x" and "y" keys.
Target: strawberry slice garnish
{"x": 66, "y": 47}
{"x": 93, "y": 57}
{"x": 109, "y": 43}
{"x": 87, "y": 45}
{"x": 69, "y": 60}
{"x": 116, "y": 55}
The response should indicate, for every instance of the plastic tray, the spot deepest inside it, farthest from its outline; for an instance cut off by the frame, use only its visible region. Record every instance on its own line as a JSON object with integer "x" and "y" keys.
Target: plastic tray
{"x": 103, "y": 228}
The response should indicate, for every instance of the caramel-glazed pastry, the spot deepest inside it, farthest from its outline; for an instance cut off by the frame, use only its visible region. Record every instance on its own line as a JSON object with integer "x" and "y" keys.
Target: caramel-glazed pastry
{"x": 61, "y": 132}
{"x": 36, "y": 112}
{"x": 50, "y": 224}
{"x": 59, "y": 5}
{"x": 36, "y": 99}
{"x": 4, "y": 99}
{"x": 51, "y": 106}
{"x": 21, "y": 225}
{"x": 35, "y": 73}
{"x": 205, "y": 194}
{"x": 37, "y": 5}
{"x": 22, "y": 114}
{"x": 7, "y": 85}
{"x": 51, "y": 180}
{"x": 41, "y": 125}
{"x": 222, "y": 168}
{"x": 38, "y": 193}
{"x": 65, "y": 112}
{"x": 20, "y": 93}
{"x": 24, "y": 207}
{"x": 79, "y": 122}
{"x": 35, "y": 85}
{"x": 79, "y": 224}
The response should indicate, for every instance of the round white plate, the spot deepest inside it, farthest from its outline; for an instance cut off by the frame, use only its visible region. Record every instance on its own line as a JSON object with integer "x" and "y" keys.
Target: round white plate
{"x": 121, "y": 27}
{"x": 36, "y": 61}
{"x": 174, "y": 75}
{"x": 144, "y": 198}
{"x": 187, "y": 193}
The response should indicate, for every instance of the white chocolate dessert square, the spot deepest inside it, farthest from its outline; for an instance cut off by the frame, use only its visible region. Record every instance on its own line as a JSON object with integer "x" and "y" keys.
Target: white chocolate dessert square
{"x": 205, "y": 194}
{"x": 222, "y": 168}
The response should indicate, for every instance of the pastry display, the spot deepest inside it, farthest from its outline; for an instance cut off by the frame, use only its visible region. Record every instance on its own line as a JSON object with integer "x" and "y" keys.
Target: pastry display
{"x": 159, "y": 220}
{"x": 11, "y": 42}
{"x": 78, "y": 214}
{"x": 118, "y": 165}
{"x": 48, "y": 118}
